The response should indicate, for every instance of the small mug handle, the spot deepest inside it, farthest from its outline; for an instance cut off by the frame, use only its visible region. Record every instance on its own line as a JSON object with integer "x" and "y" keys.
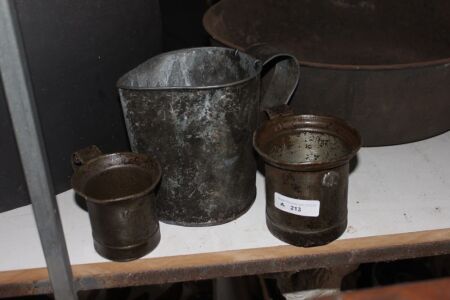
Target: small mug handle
{"x": 84, "y": 155}
{"x": 283, "y": 110}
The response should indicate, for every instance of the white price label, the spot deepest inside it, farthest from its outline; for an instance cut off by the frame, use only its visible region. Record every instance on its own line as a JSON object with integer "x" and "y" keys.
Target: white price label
{"x": 306, "y": 208}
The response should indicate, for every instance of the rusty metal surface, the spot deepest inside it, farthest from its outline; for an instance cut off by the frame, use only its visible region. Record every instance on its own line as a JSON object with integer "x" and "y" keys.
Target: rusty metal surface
{"x": 195, "y": 110}
{"x": 233, "y": 263}
{"x": 119, "y": 190}
{"x": 437, "y": 289}
{"x": 384, "y": 66}
{"x": 307, "y": 160}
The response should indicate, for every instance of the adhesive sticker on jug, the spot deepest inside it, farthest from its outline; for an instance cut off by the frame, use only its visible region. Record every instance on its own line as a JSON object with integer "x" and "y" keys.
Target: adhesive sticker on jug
{"x": 306, "y": 208}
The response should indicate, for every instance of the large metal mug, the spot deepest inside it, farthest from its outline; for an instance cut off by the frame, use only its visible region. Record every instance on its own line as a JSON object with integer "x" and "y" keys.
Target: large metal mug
{"x": 306, "y": 168}
{"x": 195, "y": 110}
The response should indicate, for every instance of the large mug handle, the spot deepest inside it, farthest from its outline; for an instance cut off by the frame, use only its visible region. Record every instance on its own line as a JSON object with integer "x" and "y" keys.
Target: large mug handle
{"x": 285, "y": 76}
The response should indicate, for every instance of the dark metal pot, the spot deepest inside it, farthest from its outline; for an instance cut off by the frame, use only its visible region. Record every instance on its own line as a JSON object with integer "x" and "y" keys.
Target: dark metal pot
{"x": 306, "y": 169}
{"x": 195, "y": 110}
{"x": 382, "y": 65}
{"x": 119, "y": 189}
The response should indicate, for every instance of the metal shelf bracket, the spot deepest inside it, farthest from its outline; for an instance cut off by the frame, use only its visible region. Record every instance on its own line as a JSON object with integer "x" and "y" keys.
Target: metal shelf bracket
{"x": 21, "y": 105}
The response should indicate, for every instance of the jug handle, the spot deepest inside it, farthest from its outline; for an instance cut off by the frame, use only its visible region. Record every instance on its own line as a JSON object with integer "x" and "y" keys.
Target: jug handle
{"x": 84, "y": 155}
{"x": 285, "y": 78}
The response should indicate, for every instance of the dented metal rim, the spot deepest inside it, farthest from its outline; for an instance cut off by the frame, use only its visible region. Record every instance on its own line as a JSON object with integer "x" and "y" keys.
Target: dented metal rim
{"x": 208, "y": 21}
{"x": 311, "y": 123}
{"x": 142, "y": 193}
{"x": 347, "y": 67}
{"x": 258, "y": 69}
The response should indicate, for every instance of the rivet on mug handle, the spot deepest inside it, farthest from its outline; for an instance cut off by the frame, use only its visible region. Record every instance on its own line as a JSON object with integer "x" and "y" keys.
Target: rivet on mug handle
{"x": 330, "y": 179}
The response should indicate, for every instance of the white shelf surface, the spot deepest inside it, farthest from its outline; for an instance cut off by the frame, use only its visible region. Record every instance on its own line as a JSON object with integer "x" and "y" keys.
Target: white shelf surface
{"x": 393, "y": 189}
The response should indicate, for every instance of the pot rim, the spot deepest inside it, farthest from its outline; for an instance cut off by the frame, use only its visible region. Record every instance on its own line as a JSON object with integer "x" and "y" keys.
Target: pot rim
{"x": 207, "y": 20}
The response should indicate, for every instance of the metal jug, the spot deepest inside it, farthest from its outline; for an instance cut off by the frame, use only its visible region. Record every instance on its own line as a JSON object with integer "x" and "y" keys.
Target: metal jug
{"x": 195, "y": 110}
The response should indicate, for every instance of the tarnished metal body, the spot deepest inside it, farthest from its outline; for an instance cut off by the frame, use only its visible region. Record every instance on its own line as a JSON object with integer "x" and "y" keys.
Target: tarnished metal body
{"x": 383, "y": 66}
{"x": 119, "y": 189}
{"x": 307, "y": 166}
{"x": 195, "y": 110}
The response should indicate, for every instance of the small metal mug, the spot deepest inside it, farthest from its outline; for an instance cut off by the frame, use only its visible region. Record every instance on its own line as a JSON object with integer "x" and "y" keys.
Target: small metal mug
{"x": 306, "y": 169}
{"x": 119, "y": 189}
